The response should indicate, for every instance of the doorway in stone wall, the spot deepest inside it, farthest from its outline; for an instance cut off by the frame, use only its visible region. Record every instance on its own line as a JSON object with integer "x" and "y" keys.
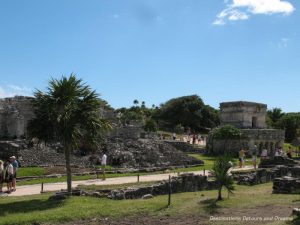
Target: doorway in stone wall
{"x": 254, "y": 122}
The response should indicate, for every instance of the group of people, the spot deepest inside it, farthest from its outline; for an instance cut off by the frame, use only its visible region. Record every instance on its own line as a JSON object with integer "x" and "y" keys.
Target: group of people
{"x": 8, "y": 174}
{"x": 242, "y": 155}
{"x": 264, "y": 155}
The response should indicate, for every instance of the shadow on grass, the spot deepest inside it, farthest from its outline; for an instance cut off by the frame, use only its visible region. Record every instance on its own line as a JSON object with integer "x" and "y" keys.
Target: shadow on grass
{"x": 28, "y": 206}
{"x": 210, "y": 206}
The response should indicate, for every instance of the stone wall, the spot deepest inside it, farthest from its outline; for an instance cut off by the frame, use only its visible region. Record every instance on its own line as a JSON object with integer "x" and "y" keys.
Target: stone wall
{"x": 184, "y": 146}
{"x": 14, "y": 116}
{"x": 263, "y": 138}
{"x": 243, "y": 114}
{"x": 183, "y": 183}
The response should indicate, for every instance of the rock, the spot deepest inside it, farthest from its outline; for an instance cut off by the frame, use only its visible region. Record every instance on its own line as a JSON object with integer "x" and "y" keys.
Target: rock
{"x": 183, "y": 183}
{"x": 296, "y": 211}
{"x": 277, "y": 160}
{"x": 286, "y": 185}
{"x": 97, "y": 194}
{"x": 148, "y": 196}
{"x": 117, "y": 195}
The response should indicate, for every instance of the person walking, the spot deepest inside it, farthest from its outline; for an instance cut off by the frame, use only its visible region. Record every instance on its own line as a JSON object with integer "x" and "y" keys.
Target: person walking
{"x": 254, "y": 156}
{"x": 103, "y": 165}
{"x": 242, "y": 157}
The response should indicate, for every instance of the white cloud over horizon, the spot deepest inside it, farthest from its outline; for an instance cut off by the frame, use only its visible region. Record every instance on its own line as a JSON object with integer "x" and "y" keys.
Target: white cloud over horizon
{"x": 12, "y": 90}
{"x": 243, "y": 9}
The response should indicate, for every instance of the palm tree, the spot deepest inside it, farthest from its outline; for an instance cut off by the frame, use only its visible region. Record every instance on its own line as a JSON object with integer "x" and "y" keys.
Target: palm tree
{"x": 220, "y": 171}
{"x": 68, "y": 112}
{"x": 135, "y": 102}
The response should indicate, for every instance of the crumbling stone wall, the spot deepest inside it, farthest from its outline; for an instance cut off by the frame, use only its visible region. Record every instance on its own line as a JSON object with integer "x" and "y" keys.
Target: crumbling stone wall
{"x": 14, "y": 116}
{"x": 269, "y": 139}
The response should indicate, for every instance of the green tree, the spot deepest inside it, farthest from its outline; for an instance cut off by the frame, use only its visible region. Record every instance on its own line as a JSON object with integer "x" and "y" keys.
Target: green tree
{"x": 150, "y": 125}
{"x": 221, "y": 172}
{"x": 290, "y": 122}
{"x": 189, "y": 111}
{"x": 135, "y": 102}
{"x": 273, "y": 117}
{"x": 68, "y": 112}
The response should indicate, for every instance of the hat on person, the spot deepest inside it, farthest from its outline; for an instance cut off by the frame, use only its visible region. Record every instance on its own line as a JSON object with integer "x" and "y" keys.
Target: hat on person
{"x": 13, "y": 157}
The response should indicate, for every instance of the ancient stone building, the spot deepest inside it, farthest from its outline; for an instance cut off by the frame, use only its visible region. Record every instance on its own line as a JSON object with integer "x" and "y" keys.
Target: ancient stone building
{"x": 244, "y": 114}
{"x": 14, "y": 116}
{"x": 250, "y": 118}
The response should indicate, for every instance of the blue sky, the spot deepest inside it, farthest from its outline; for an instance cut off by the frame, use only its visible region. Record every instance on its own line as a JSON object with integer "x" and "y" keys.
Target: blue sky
{"x": 154, "y": 50}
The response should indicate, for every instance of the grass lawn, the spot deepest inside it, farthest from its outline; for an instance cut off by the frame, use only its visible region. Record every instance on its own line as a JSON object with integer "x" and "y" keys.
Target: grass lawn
{"x": 31, "y": 171}
{"x": 208, "y": 164}
{"x": 209, "y": 160}
{"x": 249, "y": 201}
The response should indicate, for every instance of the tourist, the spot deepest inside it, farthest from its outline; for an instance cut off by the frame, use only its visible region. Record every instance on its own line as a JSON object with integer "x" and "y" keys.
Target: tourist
{"x": 1, "y": 176}
{"x": 289, "y": 154}
{"x": 242, "y": 157}
{"x": 9, "y": 173}
{"x": 174, "y": 136}
{"x": 194, "y": 139}
{"x": 103, "y": 164}
{"x": 277, "y": 152}
{"x": 254, "y": 156}
{"x": 15, "y": 165}
{"x": 264, "y": 154}
{"x": 281, "y": 153}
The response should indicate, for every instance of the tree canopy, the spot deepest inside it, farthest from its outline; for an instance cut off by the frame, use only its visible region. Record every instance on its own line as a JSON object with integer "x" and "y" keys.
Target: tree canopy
{"x": 68, "y": 112}
{"x": 188, "y": 111}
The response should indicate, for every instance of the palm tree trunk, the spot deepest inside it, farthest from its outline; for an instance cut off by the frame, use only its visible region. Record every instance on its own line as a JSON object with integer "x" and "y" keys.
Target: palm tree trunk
{"x": 68, "y": 168}
{"x": 220, "y": 194}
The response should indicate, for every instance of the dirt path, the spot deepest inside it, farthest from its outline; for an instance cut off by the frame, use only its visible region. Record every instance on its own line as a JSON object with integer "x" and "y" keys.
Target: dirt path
{"x": 36, "y": 188}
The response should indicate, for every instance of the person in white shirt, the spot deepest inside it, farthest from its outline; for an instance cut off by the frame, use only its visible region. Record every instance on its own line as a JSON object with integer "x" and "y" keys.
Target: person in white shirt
{"x": 264, "y": 154}
{"x": 103, "y": 165}
{"x": 174, "y": 136}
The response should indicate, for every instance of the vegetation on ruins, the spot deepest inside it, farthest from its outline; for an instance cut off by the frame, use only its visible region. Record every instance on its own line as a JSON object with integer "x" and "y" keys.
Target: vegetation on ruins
{"x": 150, "y": 125}
{"x": 68, "y": 112}
{"x": 220, "y": 170}
{"x": 227, "y": 132}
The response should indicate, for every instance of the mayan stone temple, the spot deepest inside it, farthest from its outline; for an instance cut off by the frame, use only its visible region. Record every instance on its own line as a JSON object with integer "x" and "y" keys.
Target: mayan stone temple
{"x": 14, "y": 116}
{"x": 250, "y": 118}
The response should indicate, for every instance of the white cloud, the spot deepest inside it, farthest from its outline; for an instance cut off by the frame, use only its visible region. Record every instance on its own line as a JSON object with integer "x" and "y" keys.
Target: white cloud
{"x": 283, "y": 43}
{"x": 13, "y": 90}
{"x": 242, "y": 9}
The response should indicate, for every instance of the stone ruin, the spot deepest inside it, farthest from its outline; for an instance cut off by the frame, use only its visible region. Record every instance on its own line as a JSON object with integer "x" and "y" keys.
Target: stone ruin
{"x": 128, "y": 146}
{"x": 250, "y": 118}
{"x": 14, "y": 116}
{"x": 282, "y": 171}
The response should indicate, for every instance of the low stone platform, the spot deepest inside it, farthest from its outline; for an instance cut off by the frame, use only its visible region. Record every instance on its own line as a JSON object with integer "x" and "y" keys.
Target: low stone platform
{"x": 286, "y": 185}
